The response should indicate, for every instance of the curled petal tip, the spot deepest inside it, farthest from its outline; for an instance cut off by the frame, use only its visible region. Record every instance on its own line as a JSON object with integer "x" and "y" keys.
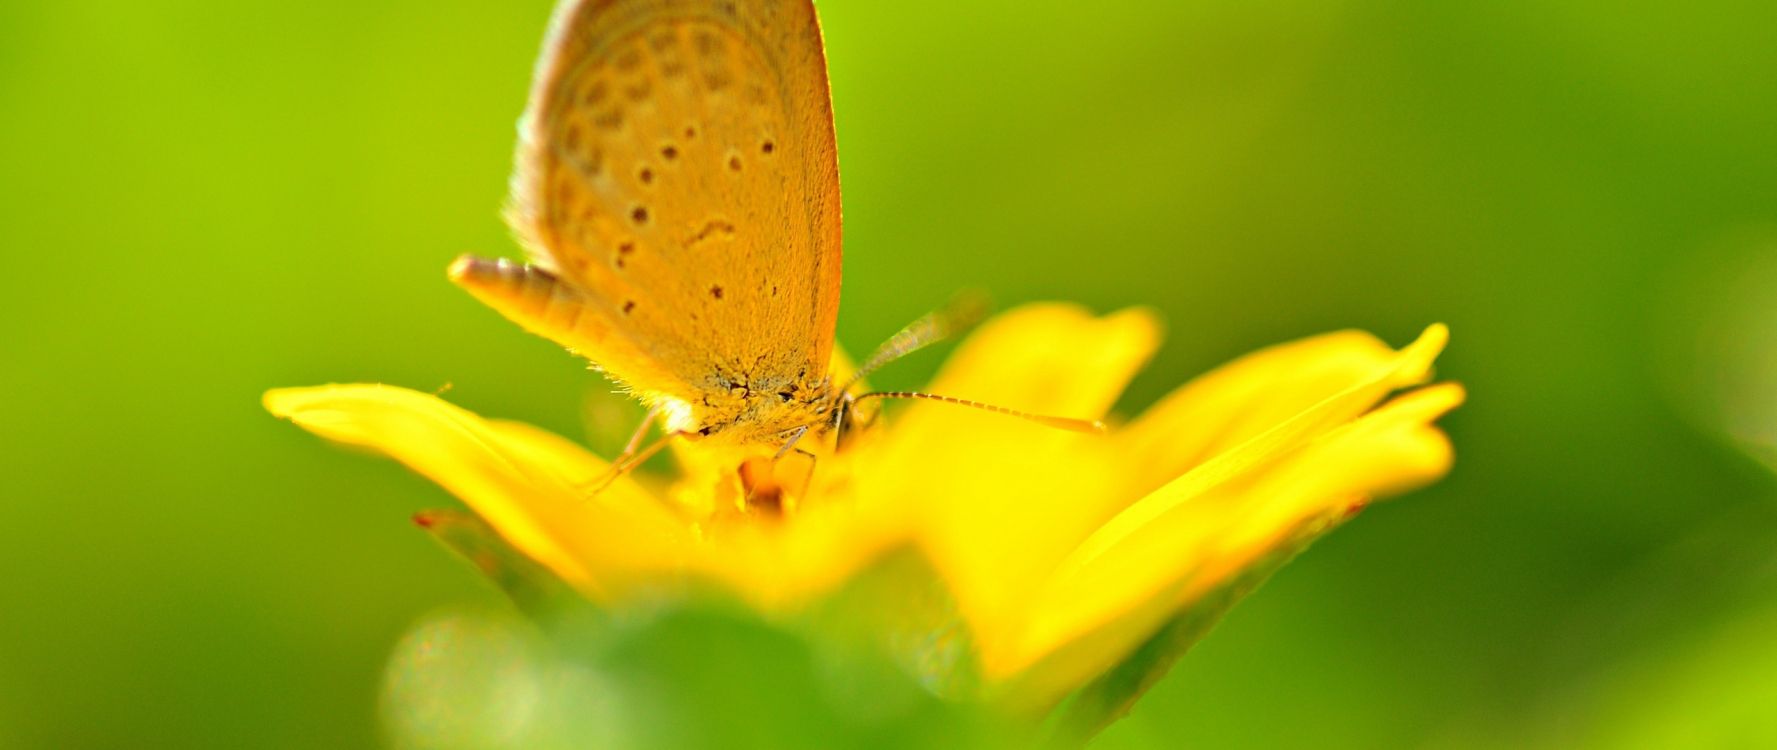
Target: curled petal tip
{"x": 282, "y": 402}
{"x": 1441, "y": 397}
{"x": 1436, "y": 335}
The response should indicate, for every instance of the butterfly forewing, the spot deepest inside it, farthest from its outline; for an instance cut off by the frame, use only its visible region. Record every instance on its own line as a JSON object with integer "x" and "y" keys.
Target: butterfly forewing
{"x": 677, "y": 165}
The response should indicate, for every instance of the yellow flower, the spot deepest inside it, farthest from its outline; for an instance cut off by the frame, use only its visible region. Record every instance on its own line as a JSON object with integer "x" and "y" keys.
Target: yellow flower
{"x": 1062, "y": 552}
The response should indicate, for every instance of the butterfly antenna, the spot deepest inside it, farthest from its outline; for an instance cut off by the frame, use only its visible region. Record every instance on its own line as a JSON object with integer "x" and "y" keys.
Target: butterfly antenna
{"x": 1088, "y": 426}
{"x": 961, "y": 313}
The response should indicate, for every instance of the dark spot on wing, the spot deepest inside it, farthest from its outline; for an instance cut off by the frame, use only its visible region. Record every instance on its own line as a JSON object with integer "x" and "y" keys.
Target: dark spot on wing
{"x": 597, "y": 92}
{"x": 628, "y": 60}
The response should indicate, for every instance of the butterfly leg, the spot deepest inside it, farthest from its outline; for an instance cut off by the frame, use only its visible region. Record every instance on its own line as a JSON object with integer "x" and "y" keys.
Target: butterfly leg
{"x": 808, "y": 479}
{"x": 625, "y": 460}
{"x": 790, "y": 444}
{"x": 631, "y": 459}
{"x": 635, "y": 439}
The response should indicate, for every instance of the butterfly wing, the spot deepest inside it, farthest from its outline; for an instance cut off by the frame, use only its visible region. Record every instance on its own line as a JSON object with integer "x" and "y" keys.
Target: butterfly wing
{"x": 677, "y": 170}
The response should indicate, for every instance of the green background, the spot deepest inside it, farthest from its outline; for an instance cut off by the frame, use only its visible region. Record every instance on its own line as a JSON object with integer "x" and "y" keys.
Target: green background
{"x": 201, "y": 200}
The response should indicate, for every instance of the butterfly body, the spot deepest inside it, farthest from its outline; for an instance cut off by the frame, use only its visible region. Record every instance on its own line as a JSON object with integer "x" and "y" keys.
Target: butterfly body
{"x": 676, "y": 186}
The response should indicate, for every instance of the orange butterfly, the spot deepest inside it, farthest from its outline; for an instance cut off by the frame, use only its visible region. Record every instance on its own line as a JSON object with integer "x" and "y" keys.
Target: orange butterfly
{"x": 677, "y": 188}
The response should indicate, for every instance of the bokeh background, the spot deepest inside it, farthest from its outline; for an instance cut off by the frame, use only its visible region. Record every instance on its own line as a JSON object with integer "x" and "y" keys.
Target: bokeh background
{"x": 200, "y": 200}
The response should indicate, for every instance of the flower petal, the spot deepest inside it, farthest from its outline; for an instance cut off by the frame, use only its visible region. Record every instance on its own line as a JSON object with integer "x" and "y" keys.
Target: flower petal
{"x": 528, "y": 484}
{"x": 1392, "y": 450}
{"x": 1049, "y": 358}
{"x": 780, "y": 566}
{"x": 1200, "y": 531}
{"x": 1003, "y": 500}
{"x": 1249, "y": 396}
{"x": 1410, "y": 366}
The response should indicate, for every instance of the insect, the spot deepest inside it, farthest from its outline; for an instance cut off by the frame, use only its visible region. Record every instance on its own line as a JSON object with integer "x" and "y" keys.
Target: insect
{"x": 676, "y": 187}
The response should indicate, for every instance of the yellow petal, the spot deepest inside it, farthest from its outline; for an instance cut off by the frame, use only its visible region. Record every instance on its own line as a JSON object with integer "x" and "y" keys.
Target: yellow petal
{"x": 1411, "y": 365}
{"x": 1387, "y": 452}
{"x": 1245, "y": 398}
{"x": 1049, "y": 358}
{"x": 528, "y": 484}
{"x": 1002, "y": 499}
{"x": 773, "y": 562}
{"x": 777, "y": 566}
{"x": 1198, "y": 532}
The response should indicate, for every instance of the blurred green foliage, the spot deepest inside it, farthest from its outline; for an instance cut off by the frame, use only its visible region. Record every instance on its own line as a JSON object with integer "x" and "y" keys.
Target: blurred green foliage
{"x": 687, "y": 678}
{"x": 686, "y": 669}
{"x": 204, "y": 199}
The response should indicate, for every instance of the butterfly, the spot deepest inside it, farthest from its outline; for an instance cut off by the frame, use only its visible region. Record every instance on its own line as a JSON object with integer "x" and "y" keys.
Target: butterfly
{"x": 676, "y": 186}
